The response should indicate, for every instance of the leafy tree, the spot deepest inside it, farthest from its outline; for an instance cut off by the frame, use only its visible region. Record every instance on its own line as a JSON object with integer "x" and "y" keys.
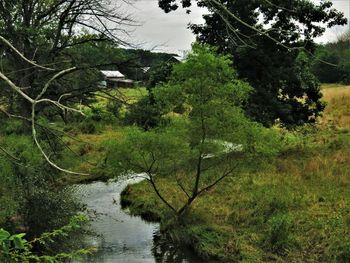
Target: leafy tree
{"x": 337, "y": 56}
{"x": 204, "y": 146}
{"x": 47, "y": 32}
{"x": 158, "y": 74}
{"x": 330, "y": 72}
{"x": 265, "y": 39}
{"x": 145, "y": 113}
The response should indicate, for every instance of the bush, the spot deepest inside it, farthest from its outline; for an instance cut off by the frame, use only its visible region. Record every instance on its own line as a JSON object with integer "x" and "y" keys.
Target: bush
{"x": 11, "y": 126}
{"x": 145, "y": 114}
{"x": 114, "y": 107}
{"x": 339, "y": 252}
{"x": 87, "y": 127}
{"x": 15, "y": 248}
{"x": 30, "y": 198}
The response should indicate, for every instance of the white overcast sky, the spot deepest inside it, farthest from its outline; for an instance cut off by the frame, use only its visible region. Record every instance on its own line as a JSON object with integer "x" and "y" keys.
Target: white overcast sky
{"x": 169, "y": 32}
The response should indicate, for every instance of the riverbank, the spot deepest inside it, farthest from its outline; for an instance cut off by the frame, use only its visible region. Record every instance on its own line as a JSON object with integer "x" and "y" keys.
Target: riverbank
{"x": 294, "y": 208}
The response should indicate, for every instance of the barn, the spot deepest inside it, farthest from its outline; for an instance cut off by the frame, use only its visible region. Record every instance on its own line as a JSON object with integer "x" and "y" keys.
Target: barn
{"x": 115, "y": 79}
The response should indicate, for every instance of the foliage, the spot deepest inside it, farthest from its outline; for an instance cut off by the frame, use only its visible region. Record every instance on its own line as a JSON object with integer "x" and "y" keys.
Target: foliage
{"x": 145, "y": 114}
{"x": 58, "y": 34}
{"x": 159, "y": 74}
{"x": 331, "y": 64}
{"x": 141, "y": 63}
{"x": 87, "y": 127}
{"x": 264, "y": 38}
{"x": 201, "y": 148}
{"x": 291, "y": 208}
{"x": 114, "y": 107}
{"x": 15, "y": 248}
{"x": 29, "y": 188}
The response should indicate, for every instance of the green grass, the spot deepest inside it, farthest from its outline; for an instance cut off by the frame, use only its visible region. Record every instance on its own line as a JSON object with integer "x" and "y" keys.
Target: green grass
{"x": 337, "y": 112}
{"x": 294, "y": 208}
{"x": 128, "y": 95}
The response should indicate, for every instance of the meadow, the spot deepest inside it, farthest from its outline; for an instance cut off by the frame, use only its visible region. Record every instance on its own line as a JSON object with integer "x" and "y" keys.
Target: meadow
{"x": 292, "y": 208}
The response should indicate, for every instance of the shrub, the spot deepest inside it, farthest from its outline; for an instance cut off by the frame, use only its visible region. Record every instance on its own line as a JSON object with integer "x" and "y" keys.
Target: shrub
{"x": 87, "y": 127}
{"x": 15, "y": 248}
{"x": 145, "y": 114}
{"x": 29, "y": 194}
{"x": 11, "y": 126}
{"x": 114, "y": 107}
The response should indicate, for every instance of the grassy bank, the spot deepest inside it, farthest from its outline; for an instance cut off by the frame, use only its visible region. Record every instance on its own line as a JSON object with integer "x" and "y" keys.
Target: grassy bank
{"x": 85, "y": 140}
{"x": 294, "y": 208}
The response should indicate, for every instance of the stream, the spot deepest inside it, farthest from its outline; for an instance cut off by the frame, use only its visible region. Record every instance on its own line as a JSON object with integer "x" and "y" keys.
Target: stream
{"x": 120, "y": 237}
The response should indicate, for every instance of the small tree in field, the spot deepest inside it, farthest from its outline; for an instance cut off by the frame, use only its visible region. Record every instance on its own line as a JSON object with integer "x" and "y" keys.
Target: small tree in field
{"x": 203, "y": 146}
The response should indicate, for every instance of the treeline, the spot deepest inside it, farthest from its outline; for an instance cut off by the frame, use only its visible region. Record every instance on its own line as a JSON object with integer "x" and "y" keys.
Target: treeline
{"x": 332, "y": 61}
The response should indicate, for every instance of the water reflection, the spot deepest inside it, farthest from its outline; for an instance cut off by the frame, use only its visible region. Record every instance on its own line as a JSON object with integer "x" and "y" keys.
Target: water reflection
{"x": 165, "y": 251}
{"x": 120, "y": 237}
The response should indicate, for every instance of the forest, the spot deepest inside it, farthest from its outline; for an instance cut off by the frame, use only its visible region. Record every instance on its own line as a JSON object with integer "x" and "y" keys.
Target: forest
{"x": 235, "y": 151}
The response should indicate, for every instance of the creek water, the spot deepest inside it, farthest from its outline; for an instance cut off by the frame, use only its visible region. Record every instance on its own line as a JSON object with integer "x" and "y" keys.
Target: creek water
{"x": 120, "y": 237}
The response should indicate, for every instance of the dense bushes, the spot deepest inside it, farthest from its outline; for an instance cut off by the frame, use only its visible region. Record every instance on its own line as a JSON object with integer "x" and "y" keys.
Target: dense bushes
{"x": 31, "y": 200}
{"x": 145, "y": 114}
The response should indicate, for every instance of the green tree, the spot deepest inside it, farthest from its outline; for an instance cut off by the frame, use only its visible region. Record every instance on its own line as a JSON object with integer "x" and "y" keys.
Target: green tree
{"x": 265, "y": 39}
{"x": 201, "y": 148}
{"x": 46, "y": 32}
{"x": 337, "y": 54}
{"x": 330, "y": 72}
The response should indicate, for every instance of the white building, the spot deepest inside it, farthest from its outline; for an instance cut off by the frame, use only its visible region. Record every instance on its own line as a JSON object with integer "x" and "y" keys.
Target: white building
{"x": 115, "y": 79}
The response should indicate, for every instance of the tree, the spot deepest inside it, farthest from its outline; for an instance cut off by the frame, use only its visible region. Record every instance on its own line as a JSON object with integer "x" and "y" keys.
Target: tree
{"x": 265, "y": 39}
{"x": 338, "y": 53}
{"x": 46, "y": 32}
{"x": 36, "y": 100}
{"x": 205, "y": 145}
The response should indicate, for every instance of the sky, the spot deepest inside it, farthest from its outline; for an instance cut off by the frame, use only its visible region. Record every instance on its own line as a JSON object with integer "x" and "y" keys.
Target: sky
{"x": 163, "y": 32}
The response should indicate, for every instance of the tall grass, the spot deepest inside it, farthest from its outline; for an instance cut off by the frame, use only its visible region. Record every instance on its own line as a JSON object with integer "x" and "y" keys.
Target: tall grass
{"x": 337, "y": 112}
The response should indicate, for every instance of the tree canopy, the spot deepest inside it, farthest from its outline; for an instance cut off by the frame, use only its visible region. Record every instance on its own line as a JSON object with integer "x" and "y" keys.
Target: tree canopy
{"x": 266, "y": 39}
{"x": 205, "y": 145}
{"x": 49, "y": 32}
{"x": 338, "y": 54}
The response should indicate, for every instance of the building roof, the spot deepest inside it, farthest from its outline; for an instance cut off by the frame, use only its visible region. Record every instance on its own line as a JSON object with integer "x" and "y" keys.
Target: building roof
{"x": 112, "y": 74}
{"x": 145, "y": 69}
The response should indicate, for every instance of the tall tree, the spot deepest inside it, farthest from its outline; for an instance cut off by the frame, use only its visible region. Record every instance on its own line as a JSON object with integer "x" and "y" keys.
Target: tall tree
{"x": 44, "y": 30}
{"x": 338, "y": 53}
{"x": 266, "y": 39}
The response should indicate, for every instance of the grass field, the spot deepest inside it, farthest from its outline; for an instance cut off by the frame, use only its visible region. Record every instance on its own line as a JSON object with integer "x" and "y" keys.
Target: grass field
{"x": 294, "y": 208}
{"x": 337, "y": 112}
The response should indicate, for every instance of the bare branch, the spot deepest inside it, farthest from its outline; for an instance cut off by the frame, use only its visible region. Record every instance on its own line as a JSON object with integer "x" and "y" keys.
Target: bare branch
{"x": 56, "y": 76}
{"x": 34, "y": 134}
{"x": 4, "y": 40}
{"x": 16, "y": 88}
{"x": 35, "y": 102}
